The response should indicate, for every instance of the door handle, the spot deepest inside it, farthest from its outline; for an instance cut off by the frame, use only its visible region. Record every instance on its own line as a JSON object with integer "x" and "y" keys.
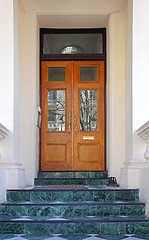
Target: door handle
{"x": 75, "y": 121}
{"x": 69, "y": 122}
{"x": 39, "y": 118}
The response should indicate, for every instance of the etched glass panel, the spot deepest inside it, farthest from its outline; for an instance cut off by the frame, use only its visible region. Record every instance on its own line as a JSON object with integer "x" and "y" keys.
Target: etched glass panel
{"x": 56, "y": 74}
{"x": 88, "y": 110}
{"x": 88, "y": 73}
{"x": 56, "y": 110}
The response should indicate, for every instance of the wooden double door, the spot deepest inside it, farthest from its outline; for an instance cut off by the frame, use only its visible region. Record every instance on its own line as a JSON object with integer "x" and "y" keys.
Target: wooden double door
{"x": 73, "y": 115}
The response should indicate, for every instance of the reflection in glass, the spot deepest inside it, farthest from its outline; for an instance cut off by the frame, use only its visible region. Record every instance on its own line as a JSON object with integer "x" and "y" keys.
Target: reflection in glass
{"x": 88, "y": 73}
{"x": 88, "y": 110}
{"x": 56, "y": 74}
{"x": 56, "y": 110}
{"x": 71, "y": 50}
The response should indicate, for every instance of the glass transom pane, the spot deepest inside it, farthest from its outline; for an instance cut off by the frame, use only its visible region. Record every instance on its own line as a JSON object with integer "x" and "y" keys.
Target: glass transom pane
{"x": 88, "y": 73}
{"x": 81, "y": 43}
{"x": 56, "y": 110}
{"x": 56, "y": 74}
{"x": 88, "y": 110}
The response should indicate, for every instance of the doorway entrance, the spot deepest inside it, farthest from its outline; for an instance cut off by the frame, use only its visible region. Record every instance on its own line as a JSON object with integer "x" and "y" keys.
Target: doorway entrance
{"x": 73, "y": 116}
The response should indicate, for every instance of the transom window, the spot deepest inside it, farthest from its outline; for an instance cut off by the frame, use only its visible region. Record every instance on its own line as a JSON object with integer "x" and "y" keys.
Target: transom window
{"x": 72, "y": 43}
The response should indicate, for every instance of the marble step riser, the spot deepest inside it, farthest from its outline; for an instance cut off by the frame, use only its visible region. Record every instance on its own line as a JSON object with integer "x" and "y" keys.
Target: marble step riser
{"x": 82, "y": 174}
{"x": 73, "y": 210}
{"x": 70, "y": 196}
{"x": 44, "y": 182}
{"x": 75, "y": 228}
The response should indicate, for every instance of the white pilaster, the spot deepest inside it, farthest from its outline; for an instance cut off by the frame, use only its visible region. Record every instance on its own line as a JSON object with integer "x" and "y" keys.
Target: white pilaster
{"x": 116, "y": 48}
{"x": 9, "y": 95}
{"x": 137, "y": 86}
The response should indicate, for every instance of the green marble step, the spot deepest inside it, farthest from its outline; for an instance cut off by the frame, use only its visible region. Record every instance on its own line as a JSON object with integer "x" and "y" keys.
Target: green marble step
{"x": 101, "y": 194}
{"x": 73, "y": 174}
{"x": 70, "y": 181}
{"x": 72, "y": 209}
{"x": 74, "y": 225}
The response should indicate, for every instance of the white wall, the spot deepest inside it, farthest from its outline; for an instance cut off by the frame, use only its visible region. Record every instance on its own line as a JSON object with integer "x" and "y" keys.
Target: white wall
{"x": 7, "y": 78}
{"x": 29, "y": 93}
{"x": 128, "y": 108}
{"x": 136, "y": 92}
{"x": 140, "y": 61}
{"x": 137, "y": 74}
{"x": 9, "y": 72}
{"x": 140, "y": 74}
{"x": 141, "y": 87}
{"x": 116, "y": 77}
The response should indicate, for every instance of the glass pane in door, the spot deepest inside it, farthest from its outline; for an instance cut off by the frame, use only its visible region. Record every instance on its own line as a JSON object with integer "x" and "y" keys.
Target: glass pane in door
{"x": 56, "y": 74}
{"x": 56, "y": 110}
{"x": 88, "y": 73}
{"x": 88, "y": 110}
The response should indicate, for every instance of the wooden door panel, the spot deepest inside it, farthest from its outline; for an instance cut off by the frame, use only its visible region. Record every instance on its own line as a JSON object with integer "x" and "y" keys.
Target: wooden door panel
{"x": 89, "y": 142}
{"x": 56, "y": 152}
{"x": 56, "y": 140}
{"x": 88, "y": 153}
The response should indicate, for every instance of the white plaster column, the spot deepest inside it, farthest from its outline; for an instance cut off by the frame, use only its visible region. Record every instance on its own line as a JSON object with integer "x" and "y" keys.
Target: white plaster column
{"x": 137, "y": 85}
{"x": 116, "y": 54}
{"x": 14, "y": 175}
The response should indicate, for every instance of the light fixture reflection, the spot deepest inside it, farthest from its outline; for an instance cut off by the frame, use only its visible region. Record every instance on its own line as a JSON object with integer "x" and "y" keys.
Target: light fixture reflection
{"x": 72, "y": 50}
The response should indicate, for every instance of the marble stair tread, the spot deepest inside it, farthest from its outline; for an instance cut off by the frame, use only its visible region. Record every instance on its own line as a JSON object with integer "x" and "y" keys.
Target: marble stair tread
{"x": 67, "y": 181}
{"x": 73, "y": 174}
{"x": 90, "y": 188}
{"x": 44, "y": 194}
{"x": 72, "y": 178}
{"x": 26, "y": 203}
{"x": 66, "y": 219}
{"x": 87, "y": 187}
{"x": 85, "y": 225}
{"x": 77, "y": 208}
{"x": 72, "y": 209}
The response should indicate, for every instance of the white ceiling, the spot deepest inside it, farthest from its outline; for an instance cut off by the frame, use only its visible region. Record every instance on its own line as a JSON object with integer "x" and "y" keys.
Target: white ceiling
{"x": 72, "y": 21}
{"x": 72, "y": 13}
